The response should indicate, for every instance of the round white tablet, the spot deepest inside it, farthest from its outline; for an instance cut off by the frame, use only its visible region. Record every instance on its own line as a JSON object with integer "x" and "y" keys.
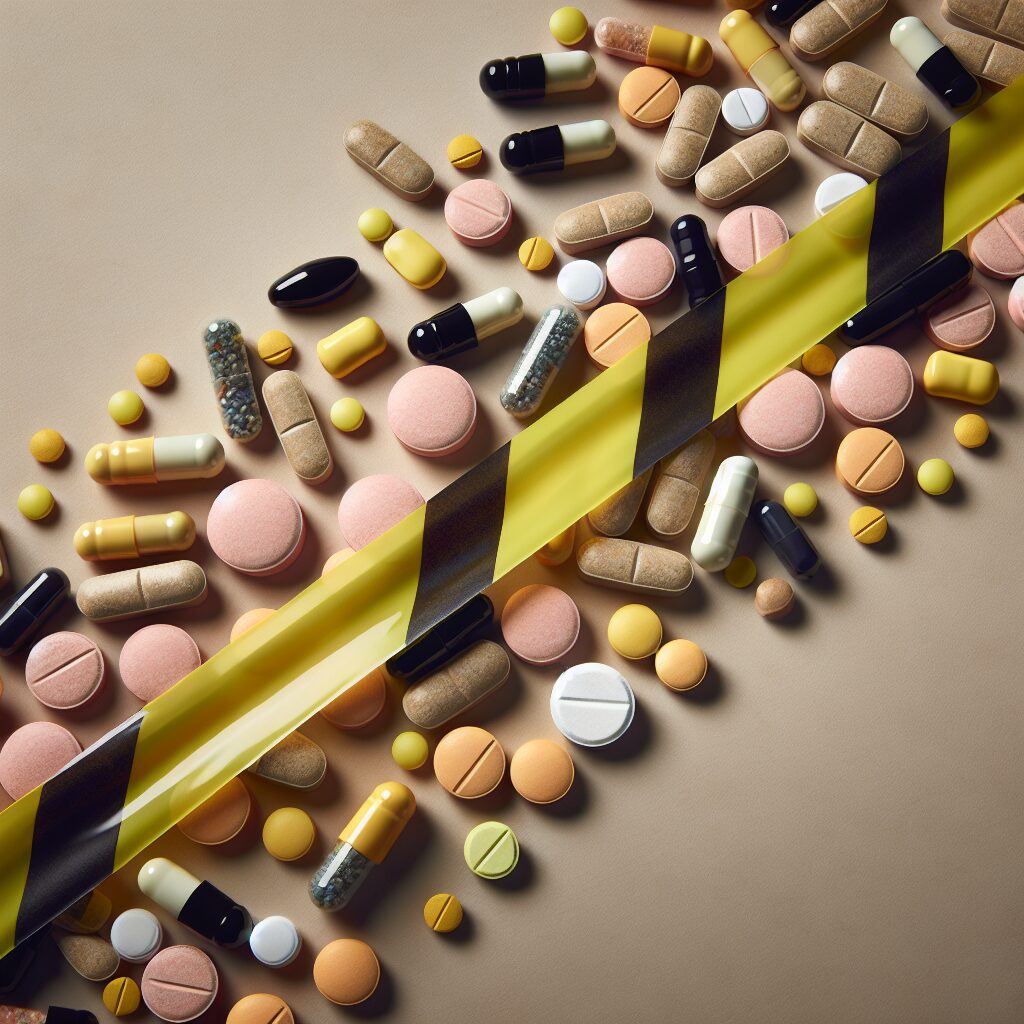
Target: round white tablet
{"x": 136, "y": 935}
{"x": 592, "y": 704}
{"x": 745, "y": 111}
{"x": 582, "y": 282}
{"x": 275, "y": 941}
{"x": 834, "y": 189}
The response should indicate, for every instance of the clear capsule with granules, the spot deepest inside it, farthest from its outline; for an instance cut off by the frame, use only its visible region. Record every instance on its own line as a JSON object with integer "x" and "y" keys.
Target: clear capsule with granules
{"x": 542, "y": 357}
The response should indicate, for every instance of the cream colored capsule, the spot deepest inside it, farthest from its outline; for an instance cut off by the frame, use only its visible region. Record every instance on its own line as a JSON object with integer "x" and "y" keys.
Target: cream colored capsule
{"x": 131, "y": 536}
{"x": 122, "y": 595}
{"x": 352, "y": 345}
{"x": 951, "y": 375}
{"x": 725, "y": 512}
{"x": 150, "y": 460}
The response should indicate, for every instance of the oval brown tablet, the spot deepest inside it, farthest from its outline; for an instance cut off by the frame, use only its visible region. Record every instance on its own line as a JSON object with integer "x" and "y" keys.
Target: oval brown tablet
{"x": 122, "y": 595}
{"x": 296, "y": 761}
{"x": 740, "y": 169}
{"x": 541, "y": 771}
{"x": 847, "y": 139}
{"x": 297, "y": 427}
{"x": 875, "y": 98}
{"x": 387, "y": 158}
{"x": 615, "y": 515}
{"x": 91, "y": 956}
{"x": 869, "y": 461}
{"x": 680, "y": 481}
{"x": 457, "y": 686}
{"x": 993, "y": 62}
{"x": 630, "y": 565}
{"x": 774, "y": 598}
{"x": 688, "y": 133}
{"x": 1000, "y": 19}
{"x": 613, "y": 331}
{"x": 219, "y": 818}
{"x": 829, "y": 25}
{"x": 469, "y": 762}
{"x": 647, "y": 97}
{"x": 602, "y": 222}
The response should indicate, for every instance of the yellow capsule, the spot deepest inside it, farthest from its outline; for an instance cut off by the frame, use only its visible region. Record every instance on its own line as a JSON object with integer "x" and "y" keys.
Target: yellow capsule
{"x": 536, "y": 253}
{"x": 121, "y": 996}
{"x": 868, "y": 525}
{"x": 352, "y": 345}
{"x": 131, "y": 536}
{"x": 442, "y": 912}
{"x": 760, "y": 57}
{"x": 46, "y": 445}
{"x": 414, "y": 258}
{"x": 464, "y": 151}
{"x": 951, "y": 375}
{"x": 274, "y": 347}
{"x": 559, "y": 549}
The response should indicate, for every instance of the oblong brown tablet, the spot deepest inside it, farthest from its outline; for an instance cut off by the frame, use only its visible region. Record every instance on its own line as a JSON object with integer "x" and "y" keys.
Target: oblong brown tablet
{"x": 847, "y": 139}
{"x": 869, "y": 461}
{"x": 875, "y": 98}
{"x": 151, "y": 588}
{"x": 688, "y": 133}
{"x": 399, "y": 167}
{"x": 680, "y": 481}
{"x": 829, "y": 25}
{"x": 473, "y": 675}
{"x": 999, "y": 19}
{"x": 297, "y": 427}
{"x": 993, "y": 62}
{"x": 630, "y": 565}
{"x": 295, "y": 761}
{"x": 740, "y": 169}
{"x": 602, "y": 221}
{"x": 615, "y": 515}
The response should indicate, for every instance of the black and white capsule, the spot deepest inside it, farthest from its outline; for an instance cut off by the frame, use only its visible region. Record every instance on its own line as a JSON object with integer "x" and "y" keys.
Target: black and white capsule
{"x": 314, "y": 283}
{"x": 557, "y": 146}
{"x": 782, "y": 13}
{"x": 464, "y": 325}
{"x": 537, "y": 75}
{"x": 447, "y": 640}
{"x": 786, "y": 539}
{"x": 695, "y": 258}
{"x": 934, "y": 63}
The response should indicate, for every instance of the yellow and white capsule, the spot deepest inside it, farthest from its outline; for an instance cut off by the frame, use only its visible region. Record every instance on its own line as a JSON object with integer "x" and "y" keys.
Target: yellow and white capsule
{"x": 150, "y": 460}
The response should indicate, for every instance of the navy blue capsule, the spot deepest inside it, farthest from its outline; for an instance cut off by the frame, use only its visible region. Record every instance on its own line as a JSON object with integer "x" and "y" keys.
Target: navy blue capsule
{"x": 448, "y": 639}
{"x": 783, "y": 13}
{"x": 314, "y": 283}
{"x": 695, "y": 258}
{"x": 787, "y": 540}
{"x": 30, "y": 607}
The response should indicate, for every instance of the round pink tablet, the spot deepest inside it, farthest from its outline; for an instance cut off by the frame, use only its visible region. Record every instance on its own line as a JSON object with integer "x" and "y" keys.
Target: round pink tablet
{"x": 961, "y": 321}
{"x": 997, "y": 248}
{"x": 156, "y": 657}
{"x": 641, "y": 270}
{"x": 540, "y": 623}
{"x": 478, "y": 212}
{"x": 432, "y": 410}
{"x": 871, "y": 384}
{"x": 256, "y": 527}
{"x": 179, "y": 983}
{"x": 373, "y": 505}
{"x": 33, "y": 754}
{"x": 748, "y": 234}
{"x": 1015, "y": 303}
{"x": 64, "y": 670}
{"x": 785, "y": 416}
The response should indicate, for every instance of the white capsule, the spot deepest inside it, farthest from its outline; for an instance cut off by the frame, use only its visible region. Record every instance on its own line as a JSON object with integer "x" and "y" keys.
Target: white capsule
{"x": 725, "y": 512}
{"x": 566, "y": 72}
{"x": 587, "y": 140}
{"x": 583, "y": 283}
{"x": 494, "y": 312}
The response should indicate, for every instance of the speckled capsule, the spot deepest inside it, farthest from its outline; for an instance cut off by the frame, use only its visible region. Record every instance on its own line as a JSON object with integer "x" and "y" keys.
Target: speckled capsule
{"x": 542, "y": 357}
{"x": 232, "y": 380}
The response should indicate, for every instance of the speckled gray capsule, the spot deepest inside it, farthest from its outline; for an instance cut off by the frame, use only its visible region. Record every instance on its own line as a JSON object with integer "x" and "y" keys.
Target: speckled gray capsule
{"x": 542, "y": 357}
{"x": 232, "y": 380}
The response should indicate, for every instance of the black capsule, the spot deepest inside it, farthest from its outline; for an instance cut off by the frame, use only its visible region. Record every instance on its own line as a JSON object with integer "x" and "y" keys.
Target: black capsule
{"x": 449, "y": 638}
{"x": 695, "y": 258}
{"x": 314, "y": 283}
{"x": 783, "y": 13}
{"x": 936, "y": 279}
{"x": 949, "y": 79}
{"x": 528, "y": 152}
{"x": 63, "y": 1015}
{"x": 445, "y": 335}
{"x": 520, "y": 78}
{"x": 213, "y": 914}
{"x": 30, "y": 607}
{"x": 786, "y": 539}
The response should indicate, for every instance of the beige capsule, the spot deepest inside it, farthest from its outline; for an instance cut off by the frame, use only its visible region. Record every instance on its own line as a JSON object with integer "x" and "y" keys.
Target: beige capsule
{"x": 459, "y": 685}
{"x": 876, "y": 99}
{"x": 396, "y": 164}
{"x": 630, "y": 565}
{"x": 297, "y": 427}
{"x": 742, "y": 168}
{"x": 152, "y": 588}
{"x": 677, "y": 490}
{"x": 847, "y": 140}
{"x": 831, "y": 24}
{"x": 296, "y": 761}
{"x": 688, "y": 133}
{"x": 615, "y": 515}
{"x": 991, "y": 61}
{"x": 602, "y": 222}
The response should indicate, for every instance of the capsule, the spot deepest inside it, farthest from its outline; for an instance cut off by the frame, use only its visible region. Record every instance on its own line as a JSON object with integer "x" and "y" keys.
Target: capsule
{"x": 151, "y": 588}
{"x": 314, "y": 283}
{"x": 30, "y": 607}
{"x": 132, "y": 536}
{"x": 463, "y": 326}
{"x": 933, "y": 63}
{"x": 557, "y": 146}
{"x": 537, "y": 75}
{"x": 952, "y": 375}
{"x": 461, "y": 684}
{"x": 197, "y": 905}
{"x": 543, "y": 356}
{"x": 233, "y": 385}
{"x": 787, "y": 540}
{"x": 725, "y": 512}
{"x": 449, "y": 638}
{"x": 782, "y": 13}
{"x": 656, "y": 46}
{"x": 151, "y": 460}
{"x": 350, "y": 346}
{"x": 698, "y": 266}
{"x": 760, "y": 58}
{"x": 938, "y": 277}
{"x": 363, "y": 843}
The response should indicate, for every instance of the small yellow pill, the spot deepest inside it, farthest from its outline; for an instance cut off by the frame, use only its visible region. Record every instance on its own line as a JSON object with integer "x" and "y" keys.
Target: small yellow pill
{"x": 35, "y": 502}
{"x": 121, "y": 996}
{"x": 347, "y": 414}
{"x": 288, "y": 833}
{"x": 536, "y": 253}
{"x": 971, "y": 430}
{"x": 152, "y": 370}
{"x": 443, "y": 912}
{"x": 868, "y": 524}
{"x": 681, "y": 665}
{"x": 46, "y": 445}
{"x": 741, "y": 572}
{"x": 634, "y": 631}
{"x": 568, "y": 25}
{"x": 375, "y": 224}
{"x": 935, "y": 476}
{"x": 410, "y": 750}
{"x": 464, "y": 152}
{"x": 125, "y": 407}
{"x": 819, "y": 360}
{"x": 275, "y": 347}
{"x": 800, "y": 500}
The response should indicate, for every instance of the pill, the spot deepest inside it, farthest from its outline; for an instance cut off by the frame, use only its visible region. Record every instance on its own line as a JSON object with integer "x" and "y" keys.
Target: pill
{"x": 64, "y": 670}
{"x": 125, "y": 407}
{"x": 375, "y": 224}
{"x": 46, "y": 445}
{"x": 150, "y": 460}
{"x": 782, "y": 13}
{"x": 631, "y": 565}
{"x": 559, "y": 549}
{"x": 784, "y": 536}
{"x": 991, "y": 61}
{"x": 260, "y": 1008}
{"x": 759, "y": 56}
{"x": 681, "y": 665}
{"x": 346, "y": 972}
{"x": 656, "y": 46}
{"x": 557, "y": 146}
{"x": 835, "y": 189}
{"x": 372, "y": 505}
{"x": 876, "y": 99}
{"x": 351, "y": 346}
{"x": 774, "y": 598}
{"x": 36, "y": 502}
{"x": 871, "y": 385}
{"x": 275, "y": 941}
{"x": 568, "y": 25}
{"x": 296, "y": 426}
{"x": 1015, "y": 302}
{"x": 400, "y": 168}
{"x": 541, "y": 772}
{"x": 432, "y": 411}
{"x": 592, "y": 705}
{"x": 634, "y": 631}
{"x": 347, "y": 414}
{"x": 439, "y": 645}
{"x": 121, "y": 996}
{"x": 152, "y": 370}
{"x": 465, "y": 152}
{"x": 469, "y": 762}
{"x": 951, "y": 375}
{"x": 696, "y": 262}
{"x": 90, "y": 956}
{"x": 939, "y": 277}
{"x": 741, "y": 169}
{"x": 999, "y": 19}
{"x": 152, "y": 588}
{"x": 935, "y": 476}
{"x": 615, "y": 515}
{"x": 314, "y": 284}
{"x": 648, "y": 97}
{"x": 602, "y": 222}
{"x": 819, "y": 360}
{"x": 829, "y": 25}
{"x": 678, "y": 486}
{"x": 233, "y": 384}
{"x": 785, "y": 416}
{"x": 869, "y": 461}
{"x": 536, "y": 253}
{"x": 414, "y": 258}
{"x": 688, "y": 133}
{"x": 641, "y": 270}
{"x": 540, "y": 624}
{"x": 442, "y": 912}
{"x": 478, "y": 212}
{"x": 971, "y": 430}
{"x": 410, "y": 750}
{"x": 748, "y": 234}
{"x": 34, "y": 753}
{"x": 87, "y": 914}
{"x": 537, "y": 74}
{"x": 491, "y": 850}
{"x": 295, "y": 761}
{"x": 725, "y": 512}
{"x": 847, "y": 139}
{"x": 933, "y": 63}
{"x": 136, "y": 935}
{"x": 868, "y": 525}
{"x": 745, "y": 111}
{"x": 462, "y": 683}
{"x": 613, "y": 331}
{"x": 961, "y": 321}
{"x": 132, "y": 536}
{"x": 256, "y": 527}
{"x": 288, "y": 834}
{"x": 542, "y": 357}
{"x": 359, "y": 704}
{"x": 997, "y": 248}
{"x": 156, "y": 657}
{"x": 582, "y": 283}
{"x": 30, "y": 607}
{"x": 740, "y": 572}
{"x": 179, "y": 983}
{"x": 220, "y": 817}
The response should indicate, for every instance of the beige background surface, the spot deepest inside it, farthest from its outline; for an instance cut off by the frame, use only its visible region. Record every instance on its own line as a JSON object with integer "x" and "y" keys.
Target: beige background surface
{"x": 829, "y": 829}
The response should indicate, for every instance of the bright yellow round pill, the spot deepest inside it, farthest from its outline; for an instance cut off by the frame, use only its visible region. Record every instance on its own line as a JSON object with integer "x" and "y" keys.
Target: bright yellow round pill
{"x": 971, "y": 430}
{"x": 800, "y": 500}
{"x": 375, "y": 224}
{"x": 741, "y": 572}
{"x": 818, "y": 360}
{"x": 35, "y": 502}
{"x": 46, "y": 445}
{"x": 442, "y": 912}
{"x": 125, "y": 407}
{"x": 288, "y": 833}
{"x": 681, "y": 664}
{"x": 935, "y": 476}
{"x": 275, "y": 347}
{"x": 410, "y": 750}
{"x": 347, "y": 414}
{"x": 568, "y": 25}
{"x": 464, "y": 152}
{"x": 634, "y": 631}
{"x": 121, "y": 996}
{"x": 536, "y": 253}
{"x": 152, "y": 370}
{"x": 868, "y": 524}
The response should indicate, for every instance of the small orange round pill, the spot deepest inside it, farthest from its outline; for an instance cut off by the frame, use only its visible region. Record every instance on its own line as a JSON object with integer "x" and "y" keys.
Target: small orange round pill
{"x": 469, "y": 762}
{"x": 648, "y": 97}
{"x": 613, "y": 331}
{"x": 542, "y": 771}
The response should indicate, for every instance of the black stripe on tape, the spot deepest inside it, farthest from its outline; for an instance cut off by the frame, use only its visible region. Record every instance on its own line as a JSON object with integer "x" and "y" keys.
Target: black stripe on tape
{"x": 83, "y": 803}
